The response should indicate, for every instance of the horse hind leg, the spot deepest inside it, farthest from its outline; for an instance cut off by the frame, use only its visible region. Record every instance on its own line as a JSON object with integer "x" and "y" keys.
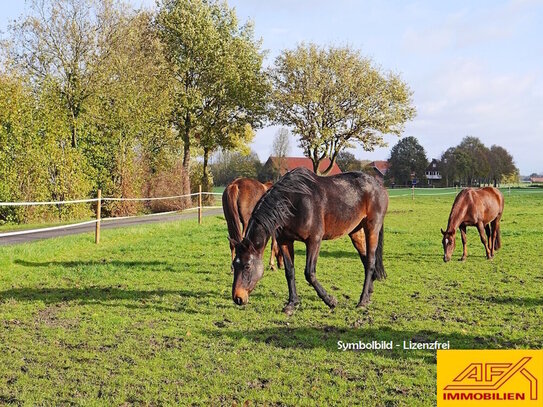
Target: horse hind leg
{"x": 495, "y": 237}
{"x": 372, "y": 240}
{"x": 358, "y": 239}
{"x": 481, "y": 229}
{"x": 273, "y": 248}
{"x": 275, "y": 255}
{"x": 488, "y": 231}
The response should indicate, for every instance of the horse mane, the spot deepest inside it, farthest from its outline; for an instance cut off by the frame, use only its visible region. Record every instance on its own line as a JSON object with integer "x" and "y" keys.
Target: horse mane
{"x": 275, "y": 208}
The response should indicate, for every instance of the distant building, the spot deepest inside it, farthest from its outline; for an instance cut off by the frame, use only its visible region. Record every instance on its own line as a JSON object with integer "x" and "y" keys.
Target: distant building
{"x": 536, "y": 180}
{"x": 432, "y": 172}
{"x": 379, "y": 167}
{"x": 281, "y": 165}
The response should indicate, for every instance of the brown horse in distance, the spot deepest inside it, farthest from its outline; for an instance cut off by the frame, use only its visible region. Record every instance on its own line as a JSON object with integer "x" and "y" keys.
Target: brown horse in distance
{"x": 238, "y": 201}
{"x": 482, "y": 208}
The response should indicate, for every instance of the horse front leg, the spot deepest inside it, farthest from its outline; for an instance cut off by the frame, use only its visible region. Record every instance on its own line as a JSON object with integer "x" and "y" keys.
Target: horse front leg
{"x": 312, "y": 252}
{"x": 464, "y": 242}
{"x": 481, "y": 229}
{"x": 287, "y": 250}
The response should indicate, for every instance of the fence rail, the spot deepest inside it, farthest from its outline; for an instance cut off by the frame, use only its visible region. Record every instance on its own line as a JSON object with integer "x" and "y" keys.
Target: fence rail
{"x": 99, "y": 219}
{"x": 403, "y": 192}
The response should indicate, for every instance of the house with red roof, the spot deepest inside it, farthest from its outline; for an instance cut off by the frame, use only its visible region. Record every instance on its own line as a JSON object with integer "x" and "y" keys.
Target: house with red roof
{"x": 379, "y": 167}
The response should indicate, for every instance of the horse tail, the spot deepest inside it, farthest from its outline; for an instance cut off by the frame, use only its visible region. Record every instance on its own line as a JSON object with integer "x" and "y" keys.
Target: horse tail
{"x": 379, "y": 273}
{"x": 231, "y": 212}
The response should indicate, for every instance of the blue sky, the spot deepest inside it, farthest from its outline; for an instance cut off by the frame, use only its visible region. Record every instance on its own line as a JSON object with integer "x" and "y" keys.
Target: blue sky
{"x": 476, "y": 68}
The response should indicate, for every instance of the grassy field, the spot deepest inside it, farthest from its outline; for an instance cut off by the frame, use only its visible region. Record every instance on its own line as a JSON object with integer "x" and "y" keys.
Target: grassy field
{"x": 146, "y": 318}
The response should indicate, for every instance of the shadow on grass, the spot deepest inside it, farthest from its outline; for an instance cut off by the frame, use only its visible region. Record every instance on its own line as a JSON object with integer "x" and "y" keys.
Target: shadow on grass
{"x": 328, "y": 337}
{"x": 107, "y": 296}
{"x": 353, "y": 254}
{"x": 518, "y": 301}
{"x": 90, "y": 263}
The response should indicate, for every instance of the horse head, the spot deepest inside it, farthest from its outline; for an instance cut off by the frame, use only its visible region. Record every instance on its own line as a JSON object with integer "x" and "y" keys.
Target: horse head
{"x": 449, "y": 243}
{"x": 248, "y": 270}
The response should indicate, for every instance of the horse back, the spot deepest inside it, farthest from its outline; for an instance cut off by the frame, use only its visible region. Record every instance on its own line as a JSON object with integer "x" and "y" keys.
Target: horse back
{"x": 348, "y": 199}
{"x": 476, "y": 205}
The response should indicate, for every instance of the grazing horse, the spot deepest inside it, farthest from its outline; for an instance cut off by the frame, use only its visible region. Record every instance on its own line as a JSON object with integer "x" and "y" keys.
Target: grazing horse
{"x": 305, "y": 207}
{"x": 238, "y": 201}
{"x": 482, "y": 208}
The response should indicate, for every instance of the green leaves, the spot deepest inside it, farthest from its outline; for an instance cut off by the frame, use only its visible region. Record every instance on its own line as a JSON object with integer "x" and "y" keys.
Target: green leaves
{"x": 221, "y": 89}
{"x": 407, "y": 161}
{"x": 471, "y": 162}
{"x": 333, "y": 98}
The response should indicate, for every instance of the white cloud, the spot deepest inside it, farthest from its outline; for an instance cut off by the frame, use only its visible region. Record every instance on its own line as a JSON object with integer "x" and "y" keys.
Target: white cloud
{"x": 469, "y": 98}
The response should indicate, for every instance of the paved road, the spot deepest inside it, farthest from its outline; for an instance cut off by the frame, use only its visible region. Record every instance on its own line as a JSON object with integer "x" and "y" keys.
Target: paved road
{"x": 10, "y": 240}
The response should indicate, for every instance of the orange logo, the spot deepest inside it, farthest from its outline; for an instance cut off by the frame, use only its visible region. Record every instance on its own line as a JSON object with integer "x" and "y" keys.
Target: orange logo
{"x": 489, "y": 377}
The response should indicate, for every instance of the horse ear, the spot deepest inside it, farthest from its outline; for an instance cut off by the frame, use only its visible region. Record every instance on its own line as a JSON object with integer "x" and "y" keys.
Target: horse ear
{"x": 442, "y": 232}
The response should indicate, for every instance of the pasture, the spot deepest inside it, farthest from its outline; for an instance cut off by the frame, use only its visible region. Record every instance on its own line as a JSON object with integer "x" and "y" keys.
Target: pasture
{"x": 146, "y": 317}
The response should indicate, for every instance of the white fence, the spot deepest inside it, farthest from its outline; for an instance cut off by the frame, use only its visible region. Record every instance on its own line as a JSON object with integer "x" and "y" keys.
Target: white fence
{"x": 402, "y": 192}
{"x": 98, "y": 219}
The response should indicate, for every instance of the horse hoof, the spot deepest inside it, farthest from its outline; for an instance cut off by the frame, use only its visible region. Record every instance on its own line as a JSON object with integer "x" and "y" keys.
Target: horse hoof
{"x": 290, "y": 308}
{"x": 332, "y": 302}
{"x": 363, "y": 303}
{"x": 462, "y": 259}
{"x": 272, "y": 267}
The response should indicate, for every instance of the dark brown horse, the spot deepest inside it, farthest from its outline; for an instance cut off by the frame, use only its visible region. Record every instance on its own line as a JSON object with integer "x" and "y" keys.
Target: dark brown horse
{"x": 305, "y": 207}
{"x": 482, "y": 208}
{"x": 238, "y": 201}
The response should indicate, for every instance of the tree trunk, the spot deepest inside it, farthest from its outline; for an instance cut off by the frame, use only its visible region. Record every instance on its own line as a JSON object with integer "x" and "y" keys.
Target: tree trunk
{"x": 186, "y": 162}
{"x": 330, "y": 166}
{"x": 74, "y": 130}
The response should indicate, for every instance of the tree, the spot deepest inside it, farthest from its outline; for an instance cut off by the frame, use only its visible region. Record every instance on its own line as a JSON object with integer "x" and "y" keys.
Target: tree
{"x": 129, "y": 112}
{"x": 281, "y": 143}
{"x": 407, "y": 160}
{"x": 348, "y": 162}
{"x": 501, "y": 164}
{"x": 230, "y": 165}
{"x": 280, "y": 149}
{"x": 35, "y": 161}
{"x": 65, "y": 42}
{"x": 473, "y": 162}
{"x": 219, "y": 89}
{"x": 334, "y": 98}
{"x": 235, "y": 99}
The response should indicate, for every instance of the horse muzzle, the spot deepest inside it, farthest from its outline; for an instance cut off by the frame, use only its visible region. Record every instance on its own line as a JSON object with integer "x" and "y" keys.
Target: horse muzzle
{"x": 240, "y": 296}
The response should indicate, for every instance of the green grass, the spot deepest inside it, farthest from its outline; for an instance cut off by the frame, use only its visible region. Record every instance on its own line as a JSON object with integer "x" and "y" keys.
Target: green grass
{"x": 146, "y": 317}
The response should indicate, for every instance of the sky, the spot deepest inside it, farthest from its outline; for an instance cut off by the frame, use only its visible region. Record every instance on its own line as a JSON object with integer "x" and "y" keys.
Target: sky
{"x": 475, "y": 68}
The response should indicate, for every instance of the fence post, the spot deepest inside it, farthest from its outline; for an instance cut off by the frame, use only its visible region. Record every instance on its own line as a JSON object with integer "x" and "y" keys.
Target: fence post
{"x": 413, "y": 192}
{"x": 98, "y": 217}
{"x": 200, "y": 204}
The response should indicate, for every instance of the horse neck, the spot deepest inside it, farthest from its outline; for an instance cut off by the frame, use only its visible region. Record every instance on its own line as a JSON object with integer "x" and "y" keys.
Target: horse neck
{"x": 455, "y": 219}
{"x": 257, "y": 235}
